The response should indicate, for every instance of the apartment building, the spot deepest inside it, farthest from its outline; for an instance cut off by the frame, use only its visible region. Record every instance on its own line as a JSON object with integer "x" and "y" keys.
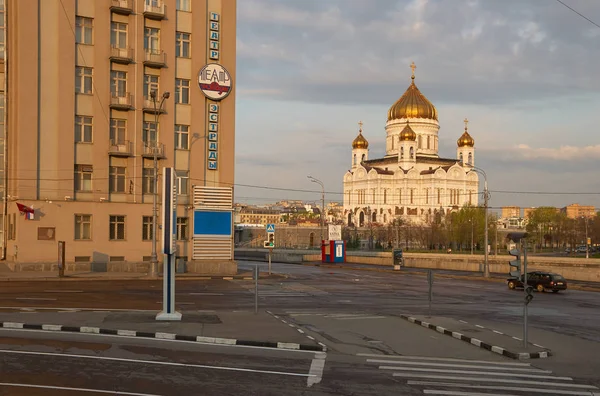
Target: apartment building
{"x": 511, "y": 211}
{"x": 575, "y": 211}
{"x": 93, "y": 92}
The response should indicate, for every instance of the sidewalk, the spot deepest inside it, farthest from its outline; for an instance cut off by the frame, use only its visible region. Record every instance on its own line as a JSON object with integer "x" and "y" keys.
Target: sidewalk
{"x": 213, "y": 327}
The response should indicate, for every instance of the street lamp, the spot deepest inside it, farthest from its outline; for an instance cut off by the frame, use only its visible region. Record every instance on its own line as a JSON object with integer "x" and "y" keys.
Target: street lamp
{"x": 312, "y": 179}
{"x": 157, "y": 109}
{"x": 486, "y": 197}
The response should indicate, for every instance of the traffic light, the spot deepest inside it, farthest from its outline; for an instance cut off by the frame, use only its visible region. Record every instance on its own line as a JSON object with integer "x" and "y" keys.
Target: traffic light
{"x": 515, "y": 265}
{"x": 271, "y": 237}
{"x": 529, "y": 295}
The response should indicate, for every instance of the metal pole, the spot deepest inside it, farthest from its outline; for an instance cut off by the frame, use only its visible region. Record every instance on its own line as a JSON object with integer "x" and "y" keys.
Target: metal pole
{"x": 486, "y": 270}
{"x": 525, "y": 313}
{"x": 270, "y": 251}
{"x": 153, "y": 256}
{"x": 256, "y": 289}
{"x": 587, "y": 246}
{"x": 323, "y": 212}
{"x": 496, "y": 240}
{"x": 472, "y": 229}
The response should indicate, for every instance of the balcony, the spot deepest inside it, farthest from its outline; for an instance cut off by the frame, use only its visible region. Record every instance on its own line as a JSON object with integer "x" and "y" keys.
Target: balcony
{"x": 124, "y": 7}
{"x": 121, "y": 102}
{"x": 149, "y": 106}
{"x": 121, "y": 55}
{"x": 123, "y": 148}
{"x": 155, "y": 58}
{"x": 155, "y": 9}
{"x": 152, "y": 148}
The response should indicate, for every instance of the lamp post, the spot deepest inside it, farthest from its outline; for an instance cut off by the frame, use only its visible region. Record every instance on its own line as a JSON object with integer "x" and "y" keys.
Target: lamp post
{"x": 472, "y": 229}
{"x": 157, "y": 109}
{"x": 312, "y": 179}
{"x": 587, "y": 246}
{"x": 486, "y": 197}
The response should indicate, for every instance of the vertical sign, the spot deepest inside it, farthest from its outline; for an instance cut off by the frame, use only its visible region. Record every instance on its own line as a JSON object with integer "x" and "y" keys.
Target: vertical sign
{"x": 213, "y": 36}
{"x": 213, "y": 138}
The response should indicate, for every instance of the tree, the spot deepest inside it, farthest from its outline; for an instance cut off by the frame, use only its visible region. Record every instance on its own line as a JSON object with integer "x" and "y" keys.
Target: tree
{"x": 540, "y": 220}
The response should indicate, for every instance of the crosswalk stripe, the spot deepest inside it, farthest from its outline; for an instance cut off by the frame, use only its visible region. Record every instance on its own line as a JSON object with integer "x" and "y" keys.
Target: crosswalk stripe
{"x": 508, "y": 388}
{"x": 482, "y": 373}
{"x": 530, "y": 370}
{"x": 404, "y": 357}
{"x": 498, "y": 380}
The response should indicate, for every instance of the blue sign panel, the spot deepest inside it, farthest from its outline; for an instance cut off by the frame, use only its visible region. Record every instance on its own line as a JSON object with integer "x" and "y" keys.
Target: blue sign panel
{"x": 212, "y": 223}
{"x": 270, "y": 227}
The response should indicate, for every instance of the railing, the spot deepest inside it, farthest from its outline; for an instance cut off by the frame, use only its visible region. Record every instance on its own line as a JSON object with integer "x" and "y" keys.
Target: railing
{"x": 149, "y": 106}
{"x": 120, "y": 147}
{"x": 155, "y": 57}
{"x": 152, "y": 148}
{"x": 121, "y": 54}
{"x": 122, "y": 6}
{"x": 124, "y": 101}
{"x": 155, "y": 8}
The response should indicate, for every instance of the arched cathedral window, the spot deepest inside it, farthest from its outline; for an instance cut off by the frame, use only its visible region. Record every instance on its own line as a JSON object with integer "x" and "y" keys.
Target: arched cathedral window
{"x": 461, "y": 157}
{"x": 420, "y": 141}
{"x": 470, "y": 158}
{"x": 412, "y": 153}
{"x": 354, "y": 159}
{"x": 363, "y": 158}
{"x": 428, "y": 142}
{"x": 401, "y": 152}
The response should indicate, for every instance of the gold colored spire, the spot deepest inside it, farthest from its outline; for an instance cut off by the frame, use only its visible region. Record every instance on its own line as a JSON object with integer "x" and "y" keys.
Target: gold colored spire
{"x": 466, "y": 140}
{"x": 412, "y": 104}
{"x": 360, "y": 142}
{"x": 408, "y": 134}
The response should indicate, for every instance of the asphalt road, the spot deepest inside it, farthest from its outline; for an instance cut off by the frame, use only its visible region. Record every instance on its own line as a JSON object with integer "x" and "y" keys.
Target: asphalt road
{"x": 354, "y": 312}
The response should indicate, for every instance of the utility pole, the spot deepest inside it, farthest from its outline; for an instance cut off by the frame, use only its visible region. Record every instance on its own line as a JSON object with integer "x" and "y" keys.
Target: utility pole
{"x": 486, "y": 270}
{"x": 154, "y": 147}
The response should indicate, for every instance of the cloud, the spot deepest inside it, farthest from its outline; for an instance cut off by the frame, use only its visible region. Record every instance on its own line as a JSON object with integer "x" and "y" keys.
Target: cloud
{"x": 563, "y": 153}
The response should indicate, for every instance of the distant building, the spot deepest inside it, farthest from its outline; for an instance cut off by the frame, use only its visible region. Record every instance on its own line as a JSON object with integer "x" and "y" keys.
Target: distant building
{"x": 255, "y": 215}
{"x": 527, "y": 212}
{"x": 511, "y": 211}
{"x": 574, "y": 211}
{"x": 512, "y": 223}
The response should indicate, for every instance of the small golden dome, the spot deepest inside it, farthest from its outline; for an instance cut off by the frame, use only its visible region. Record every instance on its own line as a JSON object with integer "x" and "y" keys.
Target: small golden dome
{"x": 465, "y": 140}
{"x": 360, "y": 142}
{"x": 412, "y": 104}
{"x": 408, "y": 134}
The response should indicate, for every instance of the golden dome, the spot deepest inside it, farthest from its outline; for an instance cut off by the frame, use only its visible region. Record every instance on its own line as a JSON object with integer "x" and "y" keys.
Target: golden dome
{"x": 465, "y": 140}
{"x": 412, "y": 104}
{"x": 408, "y": 134}
{"x": 360, "y": 142}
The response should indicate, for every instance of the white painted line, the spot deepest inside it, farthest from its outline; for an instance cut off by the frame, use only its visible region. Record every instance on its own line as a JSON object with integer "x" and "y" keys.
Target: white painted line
{"x": 517, "y": 338}
{"x": 35, "y": 298}
{"x": 139, "y": 361}
{"x": 305, "y": 314}
{"x": 502, "y": 380}
{"x": 539, "y": 346}
{"x": 284, "y": 321}
{"x": 481, "y": 327}
{"x": 311, "y": 337}
{"x": 481, "y": 373}
{"x": 323, "y": 345}
{"x": 458, "y": 393}
{"x": 462, "y": 321}
{"x": 63, "y": 291}
{"x": 362, "y": 317}
{"x": 402, "y": 357}
{"x": 497, "y": 332}
{"x": 291, "y": 325}
{"x": 111, "y": 392}
{"x": 206, "y": 294}
{"x": 316, "y": 369}
{"x": 276, "y": 317}
{"x": 300, "y": 331}
{"x": 525, "y": 370}
{"x": 508, "y": 388}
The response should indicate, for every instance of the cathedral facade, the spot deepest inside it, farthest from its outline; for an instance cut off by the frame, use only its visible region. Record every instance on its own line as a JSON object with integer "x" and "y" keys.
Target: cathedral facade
{"x": 411, "y": 182}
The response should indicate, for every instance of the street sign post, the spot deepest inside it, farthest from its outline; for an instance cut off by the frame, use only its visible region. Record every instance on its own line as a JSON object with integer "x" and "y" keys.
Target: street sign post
{"x": 270, "y": 242}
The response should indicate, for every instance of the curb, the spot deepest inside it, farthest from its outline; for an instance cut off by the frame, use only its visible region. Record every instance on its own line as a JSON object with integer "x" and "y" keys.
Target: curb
{"x": 161, "y": 336}
{"x": 479, "y": 343}
{"x": 69, "y": 278}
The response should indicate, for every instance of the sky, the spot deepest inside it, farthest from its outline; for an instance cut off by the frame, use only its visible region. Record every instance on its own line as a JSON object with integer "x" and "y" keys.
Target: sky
{"x": 526, "y": 73}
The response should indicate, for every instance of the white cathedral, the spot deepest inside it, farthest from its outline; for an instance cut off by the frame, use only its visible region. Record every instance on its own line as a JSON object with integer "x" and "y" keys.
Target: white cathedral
{"x": 411, "y": 182}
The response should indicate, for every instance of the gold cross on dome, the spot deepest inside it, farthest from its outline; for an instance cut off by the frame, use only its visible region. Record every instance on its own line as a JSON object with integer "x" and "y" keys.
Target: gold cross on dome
{"x": 360, "y": 124}
{"x": 413, "y": 67}
{"x": 466, "y": 123}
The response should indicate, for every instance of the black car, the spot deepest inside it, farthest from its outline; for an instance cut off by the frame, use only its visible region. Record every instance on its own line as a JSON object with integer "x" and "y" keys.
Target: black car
{"x": 541, "y": 281}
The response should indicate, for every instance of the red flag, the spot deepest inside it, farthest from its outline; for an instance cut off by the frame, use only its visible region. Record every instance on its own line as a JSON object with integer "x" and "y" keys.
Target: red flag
{"x": 24, "y": 209}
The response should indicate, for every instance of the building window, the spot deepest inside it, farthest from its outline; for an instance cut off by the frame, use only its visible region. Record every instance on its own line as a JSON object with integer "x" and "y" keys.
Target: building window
{"x": 470, "y": 197}
{"x": 385, "y": 196}
{"x": 83, "y": 177}
{"x": 182, "y": 228}
{"x": 427, "y": 195}
{"x": 83, "y": 227}
{"x": 182, "y": 48}
{"x": 118, "y": 35}
{"x": 2, "y": 37}
{"x": 412, "y": 153}
{"x": 117, "y": 228}
{"x": 148, "y": 181}
{"x": 420, "y": 141}
{"x": 439, "y": 200}
{"x": 152, "y": 40}
{"x": 411, "y": 195}
{"x": 118, "y": 131}
{"x": 401, "y": 152}
{"x": 147, "y": 228}
{"x": 83, "y": 30}
{"x": 83, "y": 129}
{"x": 118, "y": 83}
{"x": 182, "y": 91}
{"x": 470, "y": 159}
{"x": 116, "y": 179}
{"x": 183, "y": 5}
{"x": 83, "y": 80}
{"x": 150, "y": 84}
{"x": 183, "y": 182}
{"x": 354, "y": 159}
{"x": 428, "y": 141}
{"x": 182, "y": 134}
{"x": 150, "y": 132}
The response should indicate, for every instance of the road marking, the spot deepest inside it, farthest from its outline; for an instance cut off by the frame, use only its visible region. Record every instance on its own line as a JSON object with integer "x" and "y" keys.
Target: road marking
{"x": 462, "y": 321}
{"x": 402, "y": 357}
{"x": 35, "y": 298}
{"x": 139, "y": 361}
{"x": 481, "y": 327}
{"x": 517, "y": 338}
{"x": 502, "y": 380}
{"x": 112, "y": 392}
{"x": 508, "y": 388}
{"x": 311, "y": 337}
{"x": 539, "y": 346}
{"x": 482, "y": 373}
{"x": 362, "y": 317}
{"x": 530, "y": 370}
{"x": 206, "y": 294}
{"x": 457, "y": 393}
{"x": 316, "y": 369}
{"x": 300, "y": 331}
{"x": 497, "y": 332}
{"x": 63, "y": 291}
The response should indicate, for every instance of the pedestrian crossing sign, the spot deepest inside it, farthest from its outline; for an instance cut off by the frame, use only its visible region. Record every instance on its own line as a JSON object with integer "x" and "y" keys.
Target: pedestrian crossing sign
{"x": 270, "y": 227}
